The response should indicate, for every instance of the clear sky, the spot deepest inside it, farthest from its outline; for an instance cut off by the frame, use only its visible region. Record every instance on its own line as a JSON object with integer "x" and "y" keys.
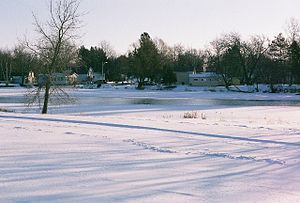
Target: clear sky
{"x": 193, "y": 23}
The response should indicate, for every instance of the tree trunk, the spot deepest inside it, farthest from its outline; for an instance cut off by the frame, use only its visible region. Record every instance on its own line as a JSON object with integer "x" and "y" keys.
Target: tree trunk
{"x": 272, "y": 88}
{"x": 140, "y": 84}
{"x": 6, "y": 75}
{"x": 46, "y": 97}
{"x": 226, "y": 81}
{"x": 257, "y": 88}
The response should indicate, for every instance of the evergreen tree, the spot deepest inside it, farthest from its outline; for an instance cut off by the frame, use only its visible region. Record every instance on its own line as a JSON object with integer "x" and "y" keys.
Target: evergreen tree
{"x": 168, "y": 76}
{"x": 145, "y": 60}
{"x": 231, "y": 64}
{"x": 278, "y": 53}
{"x": 294, "y": 61}
{"x": 92, "y": 58}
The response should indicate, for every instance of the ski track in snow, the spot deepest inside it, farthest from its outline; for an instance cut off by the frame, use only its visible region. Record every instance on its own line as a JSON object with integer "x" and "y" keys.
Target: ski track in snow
{"x": 153, "y": 129}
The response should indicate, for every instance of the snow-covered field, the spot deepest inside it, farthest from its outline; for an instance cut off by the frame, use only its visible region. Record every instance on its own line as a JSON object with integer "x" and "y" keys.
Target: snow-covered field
{"x": 123, "y": 145}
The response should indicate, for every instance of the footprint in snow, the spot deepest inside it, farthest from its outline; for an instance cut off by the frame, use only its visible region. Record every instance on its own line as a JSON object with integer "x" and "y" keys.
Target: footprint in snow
{"x": 149, "y": 147}
{"x": 69, "y": 133}
{"x": 19, "y": 128}
{"x": 242, "y": 126}
{"x": 242, "y": 157}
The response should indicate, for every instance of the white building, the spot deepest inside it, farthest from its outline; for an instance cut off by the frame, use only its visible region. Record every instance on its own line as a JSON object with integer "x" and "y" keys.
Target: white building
{"x": 206, "y": 79}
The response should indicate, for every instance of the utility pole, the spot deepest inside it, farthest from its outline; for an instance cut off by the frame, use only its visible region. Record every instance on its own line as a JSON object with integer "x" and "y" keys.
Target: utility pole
{"x": 103, "y": 63}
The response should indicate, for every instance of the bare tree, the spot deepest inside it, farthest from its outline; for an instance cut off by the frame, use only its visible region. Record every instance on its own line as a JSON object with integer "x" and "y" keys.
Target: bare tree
{"x": 223, "y": 56}
{"x": 108, "y": 49}
{"x": 293, "y": 30}
{"x": 55, "y": 45}
{"x": 251, "y": 52}
{"x": 163, "y": 48}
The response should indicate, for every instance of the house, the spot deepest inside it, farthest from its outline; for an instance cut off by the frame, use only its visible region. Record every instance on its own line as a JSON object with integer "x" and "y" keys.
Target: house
{"x": 182, "y": 78}
{"x": 72, "y": 78}
{"x": 69, "y": 79}
{"x": 30, "y": 79}
{"x": 57, "y": 79}
{"x": 95, "y": 77}
{"x": 17, "y": 80}
{"x": 206, "y": 79}
{"x": 199, "y": 79}
{"x": 81, "y": 78}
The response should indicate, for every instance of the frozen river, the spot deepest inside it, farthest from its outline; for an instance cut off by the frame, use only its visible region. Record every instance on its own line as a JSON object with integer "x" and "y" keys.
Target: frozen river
{"x": 98, "y": 99}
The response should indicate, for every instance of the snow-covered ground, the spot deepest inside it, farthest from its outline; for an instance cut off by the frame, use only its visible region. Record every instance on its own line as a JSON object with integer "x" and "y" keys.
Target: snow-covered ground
{"x": 123, "y": 145}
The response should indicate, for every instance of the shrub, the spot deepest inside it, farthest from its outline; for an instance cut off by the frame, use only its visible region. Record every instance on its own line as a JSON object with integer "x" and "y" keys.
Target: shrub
{"x": 5, "y": 110}
{"x": 203, "y": 116}
{"x": 190, "y": 115}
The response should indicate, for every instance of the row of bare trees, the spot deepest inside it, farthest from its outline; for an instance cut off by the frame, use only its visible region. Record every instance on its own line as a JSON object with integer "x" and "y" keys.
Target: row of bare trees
{"x": 258, "y": 60}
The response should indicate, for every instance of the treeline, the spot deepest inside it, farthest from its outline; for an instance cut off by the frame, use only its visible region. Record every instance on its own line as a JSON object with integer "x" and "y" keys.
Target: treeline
{"x": 258, "y": 60}
{"x": 253, "y": 61}
{"x": 148, "y": 61}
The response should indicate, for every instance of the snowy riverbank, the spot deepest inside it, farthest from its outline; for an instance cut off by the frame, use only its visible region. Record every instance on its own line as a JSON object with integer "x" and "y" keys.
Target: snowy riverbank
{"x": 144, "y": 152}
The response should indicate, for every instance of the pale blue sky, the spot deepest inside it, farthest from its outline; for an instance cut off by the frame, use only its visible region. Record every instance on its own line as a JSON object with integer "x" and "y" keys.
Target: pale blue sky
{"x": 193, "y": 23}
